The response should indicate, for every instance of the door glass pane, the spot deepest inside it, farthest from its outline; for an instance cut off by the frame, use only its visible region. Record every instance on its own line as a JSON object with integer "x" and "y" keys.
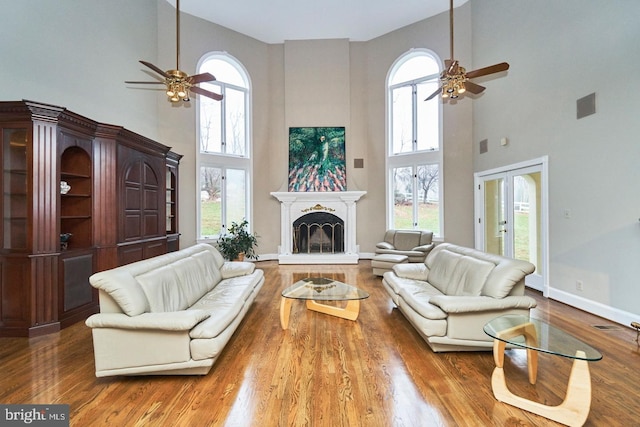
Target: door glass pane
{"x": 403, "y": 198}
{"x": 428, "y": 198}
{"x": 526, "y": 208}
{"x": 235, "y": 122}
{"x": 210, "y": 201}
{"x": 235, "y": 196}
{"x": 402, "y": 125}
{"x": 428, "y": 118}
{"x": 494, "y": 216}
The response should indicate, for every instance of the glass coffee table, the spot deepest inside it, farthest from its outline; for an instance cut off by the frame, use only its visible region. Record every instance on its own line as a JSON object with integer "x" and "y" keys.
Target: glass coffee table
{"x": 314, "y": 289}
{"x": 536, "y": 336}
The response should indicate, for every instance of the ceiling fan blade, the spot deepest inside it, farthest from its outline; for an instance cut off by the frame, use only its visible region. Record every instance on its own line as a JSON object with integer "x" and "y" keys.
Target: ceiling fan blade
{"x": 144, "y": 83}
{"x": 434, "y": 94}
{"x": 199, "y": 78}
{"x": 200, "y": 91}
{"x": 453, "y": 67}
{"x": 156, "y": 69}
{"x": 503, "y": 66}
{"x": 473, "y": 88}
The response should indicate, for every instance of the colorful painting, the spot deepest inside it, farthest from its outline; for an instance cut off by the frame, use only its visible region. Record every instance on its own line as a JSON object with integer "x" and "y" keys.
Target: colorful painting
{"x": 316, "y": 159}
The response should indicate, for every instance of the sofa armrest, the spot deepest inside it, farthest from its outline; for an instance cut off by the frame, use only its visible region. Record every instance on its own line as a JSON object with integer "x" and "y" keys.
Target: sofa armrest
{"x": 384, "y": 245}
{"x": 236, "y": 268}
{"x": 462, "y": 304}
{"x": 168, "y": 321}
{"x": 424, "y": 248}
{"x": 415, "y": 271}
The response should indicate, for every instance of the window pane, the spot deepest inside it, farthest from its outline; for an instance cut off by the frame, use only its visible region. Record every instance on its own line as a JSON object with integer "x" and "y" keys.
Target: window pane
{"x": 235, "y": 195}
{"x": 428, "y": 198}
{"x": 210, "y": 202}
{"x": 428, "y": 118}
{"x": 223, "y": 71}
{"x": 235, "y": 122}
{"x": 415, "y": 68}
{"x": 403, "y": 198}
{"x": 210, "y": 122}
{"x": 402, "y": 123}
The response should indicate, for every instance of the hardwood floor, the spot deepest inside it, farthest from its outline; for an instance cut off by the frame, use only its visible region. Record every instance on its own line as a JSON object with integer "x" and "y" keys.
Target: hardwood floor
{"x": 325, "y": 371}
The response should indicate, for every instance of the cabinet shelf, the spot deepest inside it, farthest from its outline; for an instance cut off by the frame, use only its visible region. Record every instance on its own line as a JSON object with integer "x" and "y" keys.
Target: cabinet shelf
{"x": 76, "y": 217}
{"x": 76, "y": 195}
{"x": 74, "y": 175}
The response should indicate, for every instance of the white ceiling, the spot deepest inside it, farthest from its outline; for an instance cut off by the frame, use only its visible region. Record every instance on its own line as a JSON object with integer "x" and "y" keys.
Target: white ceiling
{"x": 274, "y": 21}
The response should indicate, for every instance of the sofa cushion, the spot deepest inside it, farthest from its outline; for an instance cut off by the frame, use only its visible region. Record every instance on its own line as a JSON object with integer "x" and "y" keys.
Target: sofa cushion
{"x": 417, "y": 297}
{"x": 162, "y": 290}
{"x": 224, "y": 303}
{"x": 123, "y": 288}
{"x": 469, "y": 276}
{"x": 406, "y": 240}
{"x": 441, "y": 272}
{"x": 505, "y": 276}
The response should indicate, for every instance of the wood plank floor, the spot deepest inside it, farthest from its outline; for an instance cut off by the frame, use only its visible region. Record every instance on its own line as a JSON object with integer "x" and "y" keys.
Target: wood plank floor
{"x": 325, "y": 371}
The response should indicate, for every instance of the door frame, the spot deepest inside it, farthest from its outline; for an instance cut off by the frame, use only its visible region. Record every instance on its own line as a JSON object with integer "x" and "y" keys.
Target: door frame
{"x": 541, "y": 164}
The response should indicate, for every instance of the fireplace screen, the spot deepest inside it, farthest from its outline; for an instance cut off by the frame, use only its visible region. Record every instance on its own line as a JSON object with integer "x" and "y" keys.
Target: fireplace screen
{"x": 318, "y": 232}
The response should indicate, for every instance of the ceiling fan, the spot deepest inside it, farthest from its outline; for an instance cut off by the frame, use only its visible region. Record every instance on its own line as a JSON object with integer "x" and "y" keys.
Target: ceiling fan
{"x": 454, "y": 79}
{"x": 179, "y": 83}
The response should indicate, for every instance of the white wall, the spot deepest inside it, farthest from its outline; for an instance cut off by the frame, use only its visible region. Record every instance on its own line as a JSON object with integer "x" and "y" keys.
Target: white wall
{"x": 560, "y": 52}
{"x": 318, "y": 83}
{"x": 77, "y": 54}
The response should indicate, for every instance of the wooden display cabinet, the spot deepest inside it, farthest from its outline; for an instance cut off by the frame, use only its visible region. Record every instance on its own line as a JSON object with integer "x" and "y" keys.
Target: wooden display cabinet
{"x": 121, "y": 187}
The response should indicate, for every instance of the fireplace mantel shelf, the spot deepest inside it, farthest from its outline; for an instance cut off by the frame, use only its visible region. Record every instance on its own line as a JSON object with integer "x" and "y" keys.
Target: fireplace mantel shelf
{"x": 293, "y": 205}
{"x": 317, "y": 196}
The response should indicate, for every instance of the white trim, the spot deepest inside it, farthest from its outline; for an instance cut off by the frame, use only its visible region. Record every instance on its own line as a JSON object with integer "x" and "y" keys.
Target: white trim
{"x": 593, "y": 307}
{"x": 541, "y": 163}
{"x": 221, "y": 160}
{"x": 414, "y": 158}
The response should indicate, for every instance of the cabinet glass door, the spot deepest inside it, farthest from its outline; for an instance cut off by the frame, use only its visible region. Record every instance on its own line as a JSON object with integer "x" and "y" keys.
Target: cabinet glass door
{"x": 14, "y": 182}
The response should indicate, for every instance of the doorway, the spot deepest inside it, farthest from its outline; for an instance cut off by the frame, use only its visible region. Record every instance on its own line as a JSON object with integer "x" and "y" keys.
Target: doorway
{"x": 512, "y": 218}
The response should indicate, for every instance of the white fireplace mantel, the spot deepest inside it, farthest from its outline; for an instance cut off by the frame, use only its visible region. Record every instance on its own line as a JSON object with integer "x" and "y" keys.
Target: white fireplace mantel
{"x": 293, "y": 205}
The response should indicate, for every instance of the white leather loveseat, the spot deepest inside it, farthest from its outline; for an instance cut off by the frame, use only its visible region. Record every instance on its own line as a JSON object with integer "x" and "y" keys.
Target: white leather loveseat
{"x": 455, "y": 292}
{"x": 172, "y": 314}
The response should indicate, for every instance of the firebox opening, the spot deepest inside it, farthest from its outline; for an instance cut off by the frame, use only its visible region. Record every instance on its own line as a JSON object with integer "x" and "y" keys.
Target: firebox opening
{"x": 318, "y": 232}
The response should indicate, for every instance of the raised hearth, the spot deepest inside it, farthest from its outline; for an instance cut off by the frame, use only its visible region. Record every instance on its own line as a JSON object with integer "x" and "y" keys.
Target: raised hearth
{"x": 318, "y": 227}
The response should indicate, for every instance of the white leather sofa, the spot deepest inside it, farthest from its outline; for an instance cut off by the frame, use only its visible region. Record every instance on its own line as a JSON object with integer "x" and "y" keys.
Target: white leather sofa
{"x": 172, "y": 314}
{"x": 455, "y": 292}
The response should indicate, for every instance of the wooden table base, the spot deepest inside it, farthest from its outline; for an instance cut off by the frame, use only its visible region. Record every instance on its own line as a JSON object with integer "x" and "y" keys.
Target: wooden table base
{"x": 350, "y": 312}
{"x": 573, "y": 411}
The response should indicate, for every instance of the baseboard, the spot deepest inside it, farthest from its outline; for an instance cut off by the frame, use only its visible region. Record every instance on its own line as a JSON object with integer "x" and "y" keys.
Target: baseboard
{"x": 615, "y": 315}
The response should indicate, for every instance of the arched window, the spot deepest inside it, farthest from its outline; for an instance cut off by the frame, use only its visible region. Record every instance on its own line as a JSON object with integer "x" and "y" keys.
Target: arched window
{"x": 414, "y": 138}
{"x": 224, "y": 154}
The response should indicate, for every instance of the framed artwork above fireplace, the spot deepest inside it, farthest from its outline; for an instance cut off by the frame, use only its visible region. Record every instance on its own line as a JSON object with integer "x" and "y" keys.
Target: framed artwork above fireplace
{"x": 317, "y": 160}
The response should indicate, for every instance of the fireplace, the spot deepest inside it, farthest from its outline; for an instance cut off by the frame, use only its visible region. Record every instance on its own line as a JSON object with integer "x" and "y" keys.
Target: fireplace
{"x": 318, "y": 227}
{"x": 318, "y": 232}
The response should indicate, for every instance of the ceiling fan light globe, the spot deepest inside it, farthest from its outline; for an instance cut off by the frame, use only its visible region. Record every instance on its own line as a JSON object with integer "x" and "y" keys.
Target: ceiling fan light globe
{"x": 170, "y": 93}
{"x": 182, "y": 93}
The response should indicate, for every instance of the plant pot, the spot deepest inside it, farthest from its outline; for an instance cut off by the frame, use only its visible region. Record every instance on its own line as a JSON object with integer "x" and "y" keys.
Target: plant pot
{"x": 240, "y": 257}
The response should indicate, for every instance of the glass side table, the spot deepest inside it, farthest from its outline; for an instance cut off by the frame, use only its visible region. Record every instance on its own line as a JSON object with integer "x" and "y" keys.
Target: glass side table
{"x": 536, "y": 336}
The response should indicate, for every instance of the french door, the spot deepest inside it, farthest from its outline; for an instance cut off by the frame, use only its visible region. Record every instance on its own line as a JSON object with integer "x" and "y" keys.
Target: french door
{"x": 512, "y": 215}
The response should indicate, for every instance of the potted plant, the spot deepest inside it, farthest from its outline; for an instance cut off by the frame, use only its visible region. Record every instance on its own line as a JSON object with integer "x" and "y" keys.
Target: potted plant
{"x": 238, "y": 242}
